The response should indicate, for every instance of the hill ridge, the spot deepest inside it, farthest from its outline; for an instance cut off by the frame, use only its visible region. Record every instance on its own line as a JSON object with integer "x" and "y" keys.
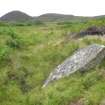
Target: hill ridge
{"x": 47, "y": 17}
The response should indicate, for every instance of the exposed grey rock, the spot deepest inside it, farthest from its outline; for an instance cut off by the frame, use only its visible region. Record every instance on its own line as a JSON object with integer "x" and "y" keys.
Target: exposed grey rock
{"x": 82, "y": 60}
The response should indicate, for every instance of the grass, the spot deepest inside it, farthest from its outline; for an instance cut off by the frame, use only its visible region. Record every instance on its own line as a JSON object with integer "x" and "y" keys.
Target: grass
{"x": 29, "y": 53}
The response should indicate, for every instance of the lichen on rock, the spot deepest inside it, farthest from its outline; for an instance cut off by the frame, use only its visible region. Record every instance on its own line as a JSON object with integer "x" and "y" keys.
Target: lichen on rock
{"x": 81, "y": 60}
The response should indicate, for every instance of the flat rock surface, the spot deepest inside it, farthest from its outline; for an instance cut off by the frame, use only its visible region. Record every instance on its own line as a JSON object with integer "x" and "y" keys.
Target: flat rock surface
{"x": 81, "y": 60}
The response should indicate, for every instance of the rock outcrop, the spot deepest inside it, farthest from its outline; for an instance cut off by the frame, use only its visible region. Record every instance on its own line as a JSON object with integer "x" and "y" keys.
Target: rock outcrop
{"x": 93, "y": 30}
{"x": 82, "y": 60}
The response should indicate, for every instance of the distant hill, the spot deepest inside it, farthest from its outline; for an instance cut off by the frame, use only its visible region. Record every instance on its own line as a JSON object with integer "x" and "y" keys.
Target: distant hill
{"x": 19, "y": 16}
{"x": 99, "y": 17}
{"x": 51, "y": 17}
{"x": 15, "y": 16}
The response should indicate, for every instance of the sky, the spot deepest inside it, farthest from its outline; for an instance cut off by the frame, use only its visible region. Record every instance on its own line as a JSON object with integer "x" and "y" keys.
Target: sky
{"x": 38, "y": 7}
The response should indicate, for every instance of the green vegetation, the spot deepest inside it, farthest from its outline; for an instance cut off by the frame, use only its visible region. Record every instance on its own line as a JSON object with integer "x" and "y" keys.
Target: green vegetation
{"x": 28, "y": 53}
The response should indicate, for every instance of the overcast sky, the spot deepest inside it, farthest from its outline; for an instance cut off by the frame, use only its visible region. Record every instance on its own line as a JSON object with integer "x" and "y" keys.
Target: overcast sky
{"x": 38, "y": 7}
